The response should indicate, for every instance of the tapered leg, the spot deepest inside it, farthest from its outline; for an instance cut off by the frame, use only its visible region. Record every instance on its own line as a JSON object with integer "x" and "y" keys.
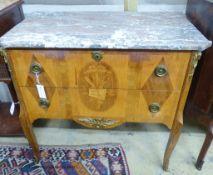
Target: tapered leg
{"x": 28, "y": 131}
{"x": 173, "y": 139}
{"x": 205, "y": 147}
{"x": 178, "y": 120}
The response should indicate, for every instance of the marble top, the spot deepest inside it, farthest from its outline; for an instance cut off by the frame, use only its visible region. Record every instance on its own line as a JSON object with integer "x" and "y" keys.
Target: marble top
{"x": 5, "y": 3}
{"x": 114, "y": 30}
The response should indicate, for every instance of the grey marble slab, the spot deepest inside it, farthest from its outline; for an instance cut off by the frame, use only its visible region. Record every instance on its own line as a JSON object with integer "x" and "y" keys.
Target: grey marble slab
{"x": 114, "y": 30}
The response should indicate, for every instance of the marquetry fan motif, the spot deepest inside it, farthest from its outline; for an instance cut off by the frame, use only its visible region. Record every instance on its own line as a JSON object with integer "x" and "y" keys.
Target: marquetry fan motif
{"x": 99, "y": 82}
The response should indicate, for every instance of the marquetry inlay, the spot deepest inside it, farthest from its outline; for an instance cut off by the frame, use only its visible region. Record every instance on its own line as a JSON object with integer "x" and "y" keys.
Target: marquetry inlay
{"x": 99, "y": 83}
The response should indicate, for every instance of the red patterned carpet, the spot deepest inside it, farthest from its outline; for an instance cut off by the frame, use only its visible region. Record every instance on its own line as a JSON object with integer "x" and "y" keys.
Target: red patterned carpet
{"x": 106, "y": 159}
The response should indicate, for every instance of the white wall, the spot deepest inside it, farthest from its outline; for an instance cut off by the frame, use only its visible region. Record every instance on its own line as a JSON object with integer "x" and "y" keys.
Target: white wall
{"x": 95, "y": 2}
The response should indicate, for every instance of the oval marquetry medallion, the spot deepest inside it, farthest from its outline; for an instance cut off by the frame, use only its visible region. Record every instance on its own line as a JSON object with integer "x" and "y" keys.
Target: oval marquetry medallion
{"x": 97, "y": 82}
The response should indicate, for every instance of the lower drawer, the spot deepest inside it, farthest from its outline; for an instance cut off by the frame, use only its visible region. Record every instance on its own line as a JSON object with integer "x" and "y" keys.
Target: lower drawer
{"x": 123, "y": 105}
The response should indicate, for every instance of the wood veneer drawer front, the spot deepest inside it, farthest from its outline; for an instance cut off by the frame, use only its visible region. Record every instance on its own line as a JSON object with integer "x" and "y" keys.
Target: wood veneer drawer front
{"x": 125, "y": 105}
{"x": 65, "y": 103}
{"x": 116, "y": 69}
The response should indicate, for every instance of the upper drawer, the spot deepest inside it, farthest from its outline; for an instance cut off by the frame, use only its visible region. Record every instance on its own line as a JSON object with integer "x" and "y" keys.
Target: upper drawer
{"x": 105, "y": 69}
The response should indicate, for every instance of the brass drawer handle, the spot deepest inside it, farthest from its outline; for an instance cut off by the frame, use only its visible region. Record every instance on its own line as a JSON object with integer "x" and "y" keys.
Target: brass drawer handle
{"x": 36, "y": 68}
{"x": 161, "y": 70}
{"x": 44, "y": 103}
{"x": 97, "y": 55}
{"x": 154, "y": 107}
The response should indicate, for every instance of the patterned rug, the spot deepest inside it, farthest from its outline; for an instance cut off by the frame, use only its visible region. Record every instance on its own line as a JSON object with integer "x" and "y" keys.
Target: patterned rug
{"x": 107, "y": 159}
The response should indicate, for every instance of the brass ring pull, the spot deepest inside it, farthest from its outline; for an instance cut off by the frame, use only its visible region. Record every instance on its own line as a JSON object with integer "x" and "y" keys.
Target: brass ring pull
{"x": 36, "y": 68}
{"x": 154, "y": 107}
{"x": 161, "y": 70}
{"x": 44, "y": 103}
{"x": 97, "y": 55}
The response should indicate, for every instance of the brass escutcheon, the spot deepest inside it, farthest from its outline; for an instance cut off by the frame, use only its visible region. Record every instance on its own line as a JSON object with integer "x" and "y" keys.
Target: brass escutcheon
{"x": 44, "y": 103}
{"x": 161, "y": 70}
{"x": 36, "y": 68}
{"x": 97, "y": 55}
{"x": 154, "y": 107}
